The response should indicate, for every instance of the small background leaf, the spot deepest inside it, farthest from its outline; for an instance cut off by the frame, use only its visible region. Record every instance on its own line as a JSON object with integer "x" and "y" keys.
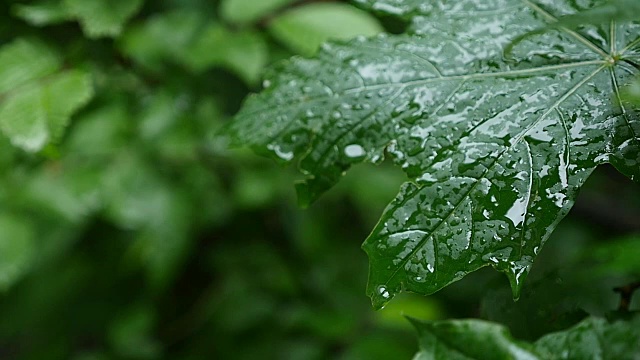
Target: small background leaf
{"x": 243, "y": 52}
{"x": 305, "y": 28}
{"x": 102, "y": 18}
{"x": 612, "y": 10}
{"x": 38, "y": 103}
{"x": 190, "y": 39}
{"x": 16, "y": 249}
{"x": 42, "y": 13}
{"x": 247, "y": 11}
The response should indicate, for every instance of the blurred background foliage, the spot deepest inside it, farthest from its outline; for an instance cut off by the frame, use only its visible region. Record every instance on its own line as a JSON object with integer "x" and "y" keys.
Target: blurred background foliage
{"x": 127, "y": 231}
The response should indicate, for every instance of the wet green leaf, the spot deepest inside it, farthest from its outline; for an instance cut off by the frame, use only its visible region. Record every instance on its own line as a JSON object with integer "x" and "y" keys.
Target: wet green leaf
{"x": 593, "y": 338}
{"x": 468, "y": 339}
{"x": 495, "y": 148}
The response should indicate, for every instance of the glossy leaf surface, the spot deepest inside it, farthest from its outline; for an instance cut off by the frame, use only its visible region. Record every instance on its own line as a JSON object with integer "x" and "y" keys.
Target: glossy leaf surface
{"x": 496, "y": 147}
{"x": 593, "y": 338}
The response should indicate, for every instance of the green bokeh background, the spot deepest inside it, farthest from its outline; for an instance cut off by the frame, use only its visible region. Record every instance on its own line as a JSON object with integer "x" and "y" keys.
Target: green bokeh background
{"x": 138, "y": 235}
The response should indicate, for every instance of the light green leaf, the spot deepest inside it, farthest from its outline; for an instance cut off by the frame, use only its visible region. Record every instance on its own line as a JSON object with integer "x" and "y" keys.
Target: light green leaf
{"x": 616, "y": 258}
{"x": 190, "y": 39}
{"x": 24, "y": 120}
{"x": 16, "y": 249}
{"x": 593, "y": 338}
{"x": 247, "y": 11}
{"x": 62, "y": 96}
{"x": 495, "y": 149}
{"x": 243, "y": 52}
{"x": 36, "y": 98}
{"x": 468, "y": 340}
{"x": 24, "y": 60}
{"x": 42, "y": 13}
{"x": 631, "y": 93}
{"x": 161, "y": 37}
{"x": 37, "y": 113}
{"x": 612, "y": 10}
{"x": 305, "y": 28}
{"x": 103, "y": 18}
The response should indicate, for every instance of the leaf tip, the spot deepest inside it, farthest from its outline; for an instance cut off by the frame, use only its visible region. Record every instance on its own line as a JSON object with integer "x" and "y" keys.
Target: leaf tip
{"x": 380, "y": 295}
{"x": 309, "y": 190}
{"x": 517, "y": 275}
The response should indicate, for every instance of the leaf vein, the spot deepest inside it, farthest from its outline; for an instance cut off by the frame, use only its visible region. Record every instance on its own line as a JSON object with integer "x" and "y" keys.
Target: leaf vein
{"x": 517, "y": 140}
{"x": 574, "y": 34}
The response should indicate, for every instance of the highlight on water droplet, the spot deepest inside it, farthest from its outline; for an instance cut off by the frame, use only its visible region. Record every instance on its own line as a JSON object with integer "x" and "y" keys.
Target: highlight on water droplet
{"x": 354, "y": 151}
{"x": 282, "y": 154}
{"x": 383, "y": 292}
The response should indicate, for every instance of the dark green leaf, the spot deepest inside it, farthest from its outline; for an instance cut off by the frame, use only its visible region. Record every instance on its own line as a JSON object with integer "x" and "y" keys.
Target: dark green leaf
{"x": 618, "y": 257}
{"x": 593, "y": 338}
{"x": 496, "y": 149}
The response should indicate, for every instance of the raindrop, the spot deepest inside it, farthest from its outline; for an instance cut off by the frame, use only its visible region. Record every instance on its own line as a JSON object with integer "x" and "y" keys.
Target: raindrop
{"x": 354, "y": 151}
{"x": 383, "y": 292}
{"x": 284, "y": 155}
{"x": 420, "y": 279}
